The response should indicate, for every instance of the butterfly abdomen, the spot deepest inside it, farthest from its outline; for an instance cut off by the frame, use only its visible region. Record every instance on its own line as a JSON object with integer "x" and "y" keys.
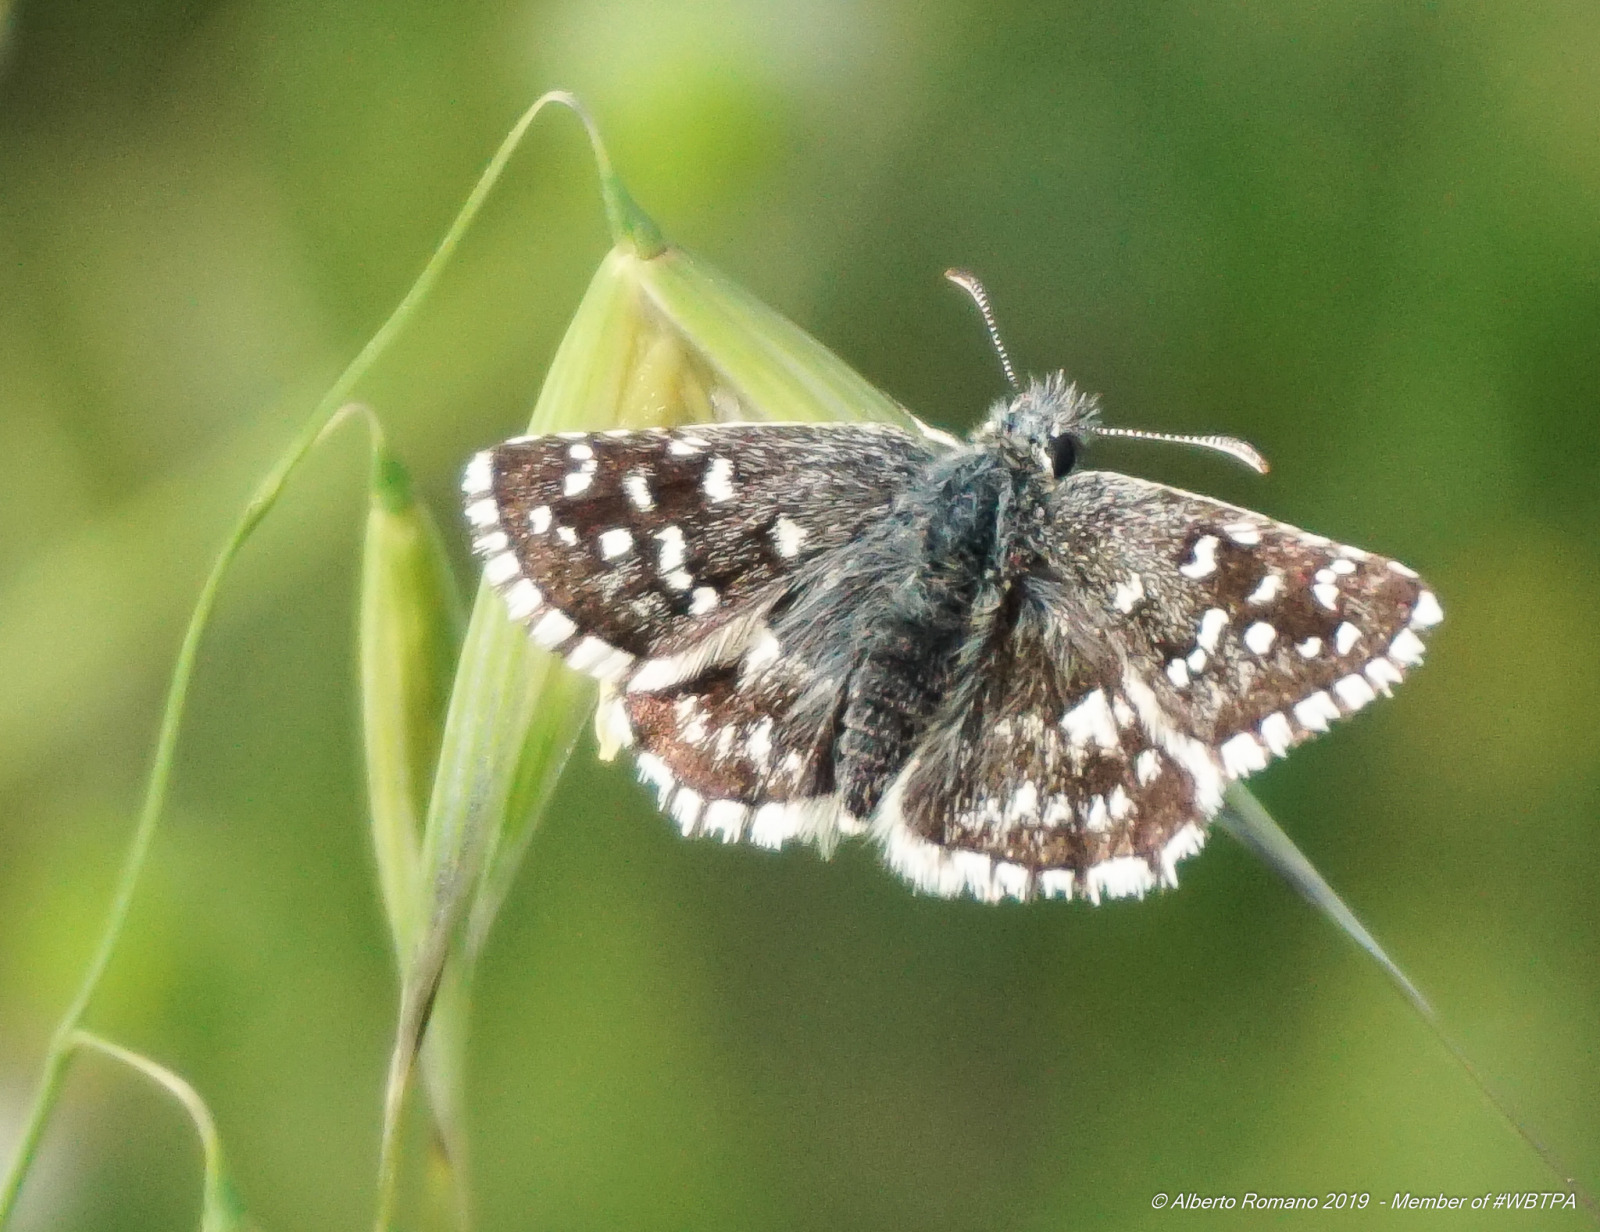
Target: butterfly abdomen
{"x": 921, "y": 622}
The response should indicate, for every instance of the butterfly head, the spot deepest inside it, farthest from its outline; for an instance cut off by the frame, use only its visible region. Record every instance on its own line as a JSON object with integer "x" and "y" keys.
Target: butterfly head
{"x": 1048, "y": 421}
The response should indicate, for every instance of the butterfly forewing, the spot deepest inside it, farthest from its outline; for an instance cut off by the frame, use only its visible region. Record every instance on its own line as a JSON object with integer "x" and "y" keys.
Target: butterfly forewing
{"x": 1244, "y": 633}
{"x": 622, "y": 547}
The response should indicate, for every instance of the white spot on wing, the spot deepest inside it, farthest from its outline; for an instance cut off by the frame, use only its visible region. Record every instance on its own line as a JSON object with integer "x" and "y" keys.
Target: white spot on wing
{"x": 1178, "y": 672}
{"x": 759, "y": 746}
{"x": 579, "y": 453}
{"x": 1211, "y": 626}
{"x": 1242, "y": 755}
{"x": 539, "y": 519}
{"x": 638, "y": 489}
{"x": 1091, "y": 719}
{"x": 483, "y": 513}
{"x": 1128, "y": 593}
{"x": 1011, "y": 880}
{"x": 1327, "y": 594}
{"x": 1186, "y": 842}
{"x": 1344, "y": 637}
{"x": 523, "y": 599}
{"x": 702, "y": 601}
{"x": 818, "y": 819}
{"x": 1119, "y": 877}
{"x": 501, "y": 569}
{"x": 616, "y": 542}
{"x": 673, "y": 552}
{"x": 685, "y": 809}
{"x": 1353, "y": 691}
{"x": 1204, "y": 561}
{"x": 725, "y": 819}
{"x": 595, "y": 657}
{"x": 1024, "y": 802}
{"x": 477, "y": 479}
{"x": 1383, "y": 674}
{"x": 1406, "y": 648}
{"x": 1316, "y": 712}
{"x": 718, "y": 483}
{"x": 1310, "y": 648}
{"x": 567, "y": 536}
{"x": 1277, "y": 733}
{"x": 1247, "y": 534}
{"x": 1269, "y": 588}
{"x": 788, "y": 536}
{"x": 1259, "y": 637}
{"x": 763, "y": 650}
{"x": 553, "y": 629}
{"x": 577, "y": 482}
{"x": 653, "y": 771}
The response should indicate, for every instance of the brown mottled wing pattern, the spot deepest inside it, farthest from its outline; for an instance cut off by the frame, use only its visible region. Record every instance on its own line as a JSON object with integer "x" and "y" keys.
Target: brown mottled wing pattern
{"x": 652, "y": 560}
{"x": 1165, "y": 645}
{"x": 620, "y": 547}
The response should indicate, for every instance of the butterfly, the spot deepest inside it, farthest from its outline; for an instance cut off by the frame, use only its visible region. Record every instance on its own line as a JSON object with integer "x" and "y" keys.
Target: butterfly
{"x": 1018, "y": 676}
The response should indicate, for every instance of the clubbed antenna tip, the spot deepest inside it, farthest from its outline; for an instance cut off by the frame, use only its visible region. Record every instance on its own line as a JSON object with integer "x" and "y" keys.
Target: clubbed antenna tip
{"x": 1239, "y": 451}
{"x": 970, "y": 284}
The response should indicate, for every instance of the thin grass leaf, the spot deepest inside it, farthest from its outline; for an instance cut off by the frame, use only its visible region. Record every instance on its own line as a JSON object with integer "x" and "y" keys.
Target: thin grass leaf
{"x": 1247, "y": 820}
{"x": 412, "y": 618}
{"x": 221, "y": 1209}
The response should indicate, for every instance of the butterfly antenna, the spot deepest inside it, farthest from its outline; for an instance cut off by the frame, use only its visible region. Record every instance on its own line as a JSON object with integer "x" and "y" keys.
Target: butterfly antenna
{"x": 1239, "y": 451}
{"x": 969, "y": 283}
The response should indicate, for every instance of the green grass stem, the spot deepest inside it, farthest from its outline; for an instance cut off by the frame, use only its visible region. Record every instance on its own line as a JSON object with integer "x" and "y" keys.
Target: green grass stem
{"x": 322, "y": 418}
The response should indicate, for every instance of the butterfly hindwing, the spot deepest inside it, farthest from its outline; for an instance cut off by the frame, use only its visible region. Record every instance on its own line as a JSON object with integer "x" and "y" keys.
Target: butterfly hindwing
{"x": 1040, "y": 778}
{"x": 739, "y": 733}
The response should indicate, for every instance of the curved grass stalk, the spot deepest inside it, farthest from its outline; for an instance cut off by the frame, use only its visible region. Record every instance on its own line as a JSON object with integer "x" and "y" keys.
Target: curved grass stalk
{"x": 322, "y": 418}
{"x": 220, "y": 1207}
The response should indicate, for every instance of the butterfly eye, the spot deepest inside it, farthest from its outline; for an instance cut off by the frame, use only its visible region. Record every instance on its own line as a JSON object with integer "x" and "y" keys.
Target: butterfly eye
{"x": 1063, "y": 453}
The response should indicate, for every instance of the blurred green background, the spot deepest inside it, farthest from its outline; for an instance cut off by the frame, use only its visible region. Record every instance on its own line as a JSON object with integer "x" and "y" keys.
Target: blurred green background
{"x": 1363, "y": 235}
